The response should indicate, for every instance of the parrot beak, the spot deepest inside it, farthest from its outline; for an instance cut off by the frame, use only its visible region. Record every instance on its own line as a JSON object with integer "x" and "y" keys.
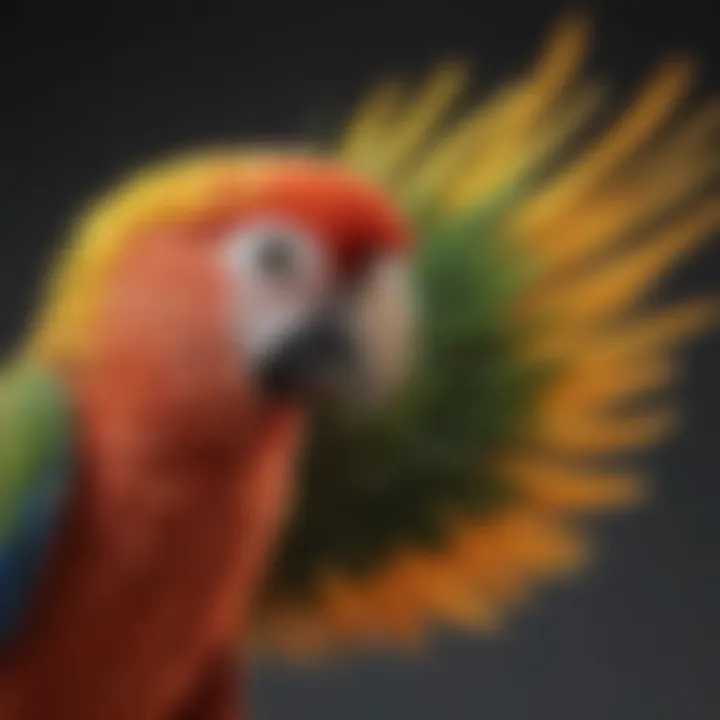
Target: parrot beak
{"x": 353, "y": 348}
{"x": 314, "y": 362}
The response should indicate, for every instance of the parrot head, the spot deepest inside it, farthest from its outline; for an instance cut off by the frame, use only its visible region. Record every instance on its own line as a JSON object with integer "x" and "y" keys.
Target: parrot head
{"x": 295, "y": 270}
{"x": 318, "y": 266}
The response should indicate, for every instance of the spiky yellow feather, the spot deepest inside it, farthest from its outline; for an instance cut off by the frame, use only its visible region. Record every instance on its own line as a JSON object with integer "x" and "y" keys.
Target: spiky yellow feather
{"x": 611, "y": 198}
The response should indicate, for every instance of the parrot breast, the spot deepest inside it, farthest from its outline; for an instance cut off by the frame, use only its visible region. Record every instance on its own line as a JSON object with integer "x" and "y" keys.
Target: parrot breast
{"x": 181, "y": 482}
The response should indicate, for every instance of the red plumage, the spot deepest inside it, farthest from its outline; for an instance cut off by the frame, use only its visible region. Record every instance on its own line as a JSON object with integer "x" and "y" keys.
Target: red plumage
{"x": 185, "y": 473}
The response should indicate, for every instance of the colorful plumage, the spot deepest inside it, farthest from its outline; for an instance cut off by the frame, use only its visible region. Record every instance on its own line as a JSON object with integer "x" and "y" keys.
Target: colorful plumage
{"x": 540, "y": 363}
{"x": 541, "y": 247}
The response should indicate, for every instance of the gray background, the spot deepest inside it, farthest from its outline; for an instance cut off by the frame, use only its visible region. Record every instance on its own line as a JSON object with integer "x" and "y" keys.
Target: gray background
{"x": 85, "y": 93}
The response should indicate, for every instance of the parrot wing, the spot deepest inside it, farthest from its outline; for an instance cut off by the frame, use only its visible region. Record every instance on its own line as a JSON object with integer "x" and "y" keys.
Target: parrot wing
{"x": 34, "y": 479}
{"x": 542, "y": 237}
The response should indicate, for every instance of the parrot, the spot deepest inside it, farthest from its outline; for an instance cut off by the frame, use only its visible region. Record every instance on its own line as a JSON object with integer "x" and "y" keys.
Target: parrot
{"x": 300, "y": 400}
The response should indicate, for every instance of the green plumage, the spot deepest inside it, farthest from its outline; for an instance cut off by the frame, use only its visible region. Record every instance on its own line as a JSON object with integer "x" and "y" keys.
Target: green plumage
{"x": 372, "y": 486}
{"x": 33, "y": 438}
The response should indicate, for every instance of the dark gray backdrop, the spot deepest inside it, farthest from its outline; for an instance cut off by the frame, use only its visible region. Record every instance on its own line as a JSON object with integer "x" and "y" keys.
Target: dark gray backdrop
{"x": 88, "y": 91}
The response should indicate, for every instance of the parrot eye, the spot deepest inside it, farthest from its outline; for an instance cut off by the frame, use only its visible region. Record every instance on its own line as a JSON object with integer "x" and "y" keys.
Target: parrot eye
{"x": 279, "y": 254}
{"x": 276, "y": 256}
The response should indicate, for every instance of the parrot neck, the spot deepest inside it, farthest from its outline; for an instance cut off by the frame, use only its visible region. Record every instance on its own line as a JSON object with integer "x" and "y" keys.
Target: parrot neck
{"x": 163, "y": 552}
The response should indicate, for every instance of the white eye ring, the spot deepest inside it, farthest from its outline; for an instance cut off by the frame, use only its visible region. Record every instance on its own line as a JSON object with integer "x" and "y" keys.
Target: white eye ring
{"x": 278, "y": 252}
{"x": 280, "y": 278}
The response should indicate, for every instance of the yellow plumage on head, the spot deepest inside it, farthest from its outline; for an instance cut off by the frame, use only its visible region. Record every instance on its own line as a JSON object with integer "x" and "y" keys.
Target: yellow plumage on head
{"x": 179, "y": 189}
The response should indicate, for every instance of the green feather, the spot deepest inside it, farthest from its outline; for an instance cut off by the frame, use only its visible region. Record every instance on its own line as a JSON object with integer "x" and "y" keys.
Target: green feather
{"x": 33, "y": 427}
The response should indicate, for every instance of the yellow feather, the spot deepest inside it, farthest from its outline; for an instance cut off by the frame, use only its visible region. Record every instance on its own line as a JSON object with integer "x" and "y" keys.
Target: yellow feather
{"x": 662, "y": 331}
{"x": 601, "y": 434}
{"x": 562, "y": 58}
{"x": 693, "y": 137}
{"x": 506, "y": 162}
{"x": 612, "y": 288}
{"x": 558, "y": 487}
{"x": 665, "y": 178}
{"x": 500, "y": 131}
{"x": 610, "y": 220}
{"x": 652, "y": 108}
{"x": 397, "y": 609}
{"x": 566, "y": 120}
{"x": 366, "y": 130}
{"x": 421, "y": 117}
{"x": 440, "y": 166}
{"x": 594, "y": 386}
{"x": 486, "y": 552}
{"x": 526, "y": 546}
{"x": 508, "y": 138}
{"x": 342, "y": 608}
{"x": 493, "y": 117}
{"x": 441, "y": 593}
{"x": 644, "y": 336}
